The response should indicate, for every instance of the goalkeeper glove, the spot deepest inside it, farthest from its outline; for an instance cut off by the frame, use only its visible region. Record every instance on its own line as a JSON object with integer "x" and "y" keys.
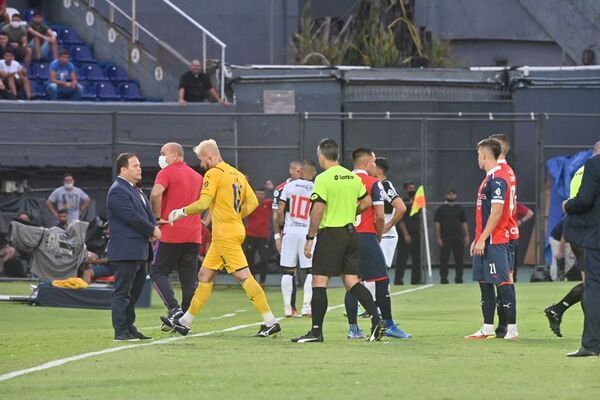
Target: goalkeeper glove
{"x": 177, "y": 214}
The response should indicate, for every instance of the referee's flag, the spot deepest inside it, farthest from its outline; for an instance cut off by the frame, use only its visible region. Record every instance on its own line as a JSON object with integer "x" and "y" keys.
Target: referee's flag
{"x": 419, "y": 201}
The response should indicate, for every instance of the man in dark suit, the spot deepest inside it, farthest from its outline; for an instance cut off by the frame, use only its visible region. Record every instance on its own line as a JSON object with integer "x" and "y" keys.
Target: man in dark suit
{"x": 587, "y": 202}
{"x": 132, "y": 225}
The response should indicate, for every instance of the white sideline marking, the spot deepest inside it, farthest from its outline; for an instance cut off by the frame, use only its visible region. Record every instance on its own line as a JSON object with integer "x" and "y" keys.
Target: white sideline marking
{"x": 62, "y": 361}
{"x": 225, "y": 316}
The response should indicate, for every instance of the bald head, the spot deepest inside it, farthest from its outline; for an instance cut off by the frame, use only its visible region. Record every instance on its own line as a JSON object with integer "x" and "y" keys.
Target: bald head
{"x": 170, "y": 153}
{"x": 295, "y": 169}
{"x": 596, "y": 149}
{"x": 208, "y": 153}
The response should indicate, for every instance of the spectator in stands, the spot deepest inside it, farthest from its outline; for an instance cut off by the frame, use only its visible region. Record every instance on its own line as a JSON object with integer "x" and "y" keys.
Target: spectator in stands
{"x": 14, "y": 75}
{"x": 17, "y": 39}
{"x": 42, "y": 38}
{"x": 63, "y": 79}
{"x": 4, "y": 44}
{"x": 98, "y": 263}
{"x": 5, "y": 94}
{"x": 4, "y": 18}
{"x": 14, "y": 263}
{"x": 62, "y": 218}
{"x": 194, "y": 85}
{"x": 68, "y": 197}
{"x": 258, "y": 232}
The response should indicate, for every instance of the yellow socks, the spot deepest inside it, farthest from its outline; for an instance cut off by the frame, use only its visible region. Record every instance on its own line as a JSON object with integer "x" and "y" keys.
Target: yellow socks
{"x": 201, "y": 296}
{"x": 258, "y": 298}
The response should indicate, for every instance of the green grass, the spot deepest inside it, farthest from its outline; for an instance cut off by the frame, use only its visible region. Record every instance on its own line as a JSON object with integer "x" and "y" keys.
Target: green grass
{"x": 437, "y": 364}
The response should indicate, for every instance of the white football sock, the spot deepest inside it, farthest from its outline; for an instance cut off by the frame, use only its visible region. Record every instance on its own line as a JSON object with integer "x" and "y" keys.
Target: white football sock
{"x": 371, "y": 287}
{"x": 287, "y": 286}
{"x": 307, "y": 293}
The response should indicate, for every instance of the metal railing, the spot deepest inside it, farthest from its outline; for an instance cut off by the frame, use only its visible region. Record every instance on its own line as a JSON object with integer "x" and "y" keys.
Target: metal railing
{"x": 136, "y": 27}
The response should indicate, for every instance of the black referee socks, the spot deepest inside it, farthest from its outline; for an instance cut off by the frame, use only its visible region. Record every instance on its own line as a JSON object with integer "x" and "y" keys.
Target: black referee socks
{"x": 365, "y": 299}
{"x": 318, "y": 305}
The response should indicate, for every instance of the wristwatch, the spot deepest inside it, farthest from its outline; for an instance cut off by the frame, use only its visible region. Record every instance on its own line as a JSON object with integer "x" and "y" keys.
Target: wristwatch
{"x": 308, "y": 237}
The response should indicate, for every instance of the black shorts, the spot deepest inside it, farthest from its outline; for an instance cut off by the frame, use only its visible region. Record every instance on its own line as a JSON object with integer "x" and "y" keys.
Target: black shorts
{"x": 493, "y": 266}
{"x": 371, "y": 266}
{"x": 176, "y": 256}
{"x": 336, "y": 252}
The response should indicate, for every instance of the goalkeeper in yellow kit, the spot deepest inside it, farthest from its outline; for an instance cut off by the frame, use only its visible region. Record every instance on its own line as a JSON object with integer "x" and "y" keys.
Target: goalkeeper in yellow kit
{"x": 230, "y": 198}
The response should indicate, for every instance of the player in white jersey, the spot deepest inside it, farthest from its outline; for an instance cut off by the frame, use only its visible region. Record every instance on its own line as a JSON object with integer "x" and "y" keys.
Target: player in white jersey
{"x": 394, "y": 210}
{"x": 294, "y": 214}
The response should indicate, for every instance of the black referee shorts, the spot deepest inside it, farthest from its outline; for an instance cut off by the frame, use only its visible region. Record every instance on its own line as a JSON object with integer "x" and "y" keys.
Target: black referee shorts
{"x": 336, "y": 252}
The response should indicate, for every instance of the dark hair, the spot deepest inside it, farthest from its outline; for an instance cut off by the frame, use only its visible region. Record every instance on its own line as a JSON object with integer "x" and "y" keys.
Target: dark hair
{"x": 329, "y": 149}
{"x": 9, "y": 51}
{"x": 361, "y": 151}
{"x": 408, "y": 183}
{"x": 382, "y": 163}
{"x": 260, "y": 189}
{"x": 67, "y": 174}
{"x": 492, "y": 145}
{"x": 63, "y": 52}
{"x": 502, "y": 138}
{"x": 25, "y": 213}
{"x": 2, "y": 33}
{"x": 310, "y": 163}
{"x": 16, "y": 15}
{"x": 451, "y": 190}
{"x": 62, "y": 211}
{"x": 36, "y": 13}
{"x": 123, "y": 160}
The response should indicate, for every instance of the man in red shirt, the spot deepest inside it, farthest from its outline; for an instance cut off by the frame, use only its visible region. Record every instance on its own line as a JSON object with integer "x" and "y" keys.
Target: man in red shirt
{"x": 257, "y": 235}
{"x": 490, "y": 249}
{"x": 504, "y": 142}
{"x": 176, "y": 185}
{"x": 372, "y": 268}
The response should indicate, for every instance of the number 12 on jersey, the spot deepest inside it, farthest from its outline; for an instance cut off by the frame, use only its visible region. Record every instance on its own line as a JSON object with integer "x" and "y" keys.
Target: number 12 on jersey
{"x": 300, "y": 207}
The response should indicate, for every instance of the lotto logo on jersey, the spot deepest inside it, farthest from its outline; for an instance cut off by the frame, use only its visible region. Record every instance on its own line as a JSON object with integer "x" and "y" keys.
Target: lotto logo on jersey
{"x": 343, "y": 177}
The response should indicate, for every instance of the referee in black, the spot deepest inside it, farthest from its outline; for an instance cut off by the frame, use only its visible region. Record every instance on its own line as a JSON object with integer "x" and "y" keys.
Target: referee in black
{"x": 338, "y": 196}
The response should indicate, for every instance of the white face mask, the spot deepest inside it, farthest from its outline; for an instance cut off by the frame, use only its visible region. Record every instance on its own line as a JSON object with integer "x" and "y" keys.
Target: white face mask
{"x": 162, "y": 162}
{"x": 68, "y": 186}
{"x": 15, "y": 24}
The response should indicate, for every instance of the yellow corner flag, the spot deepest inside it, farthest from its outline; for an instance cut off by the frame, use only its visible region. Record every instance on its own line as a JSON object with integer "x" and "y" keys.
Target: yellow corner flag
{"x": 419, "y": 201}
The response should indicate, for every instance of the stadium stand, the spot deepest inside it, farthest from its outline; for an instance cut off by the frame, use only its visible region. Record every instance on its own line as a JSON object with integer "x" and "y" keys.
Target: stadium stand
{"x": 116, "y": 83}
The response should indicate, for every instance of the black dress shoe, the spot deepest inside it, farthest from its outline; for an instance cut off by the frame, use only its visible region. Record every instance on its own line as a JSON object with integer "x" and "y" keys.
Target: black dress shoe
{"x": 583, "y": 352}
{"x": 126, "y": 337}
{"x": 139, "y": 335}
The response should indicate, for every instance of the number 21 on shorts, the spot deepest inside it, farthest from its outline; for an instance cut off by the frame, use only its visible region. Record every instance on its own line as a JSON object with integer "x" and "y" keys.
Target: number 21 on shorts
{"x": 492, "y": 268}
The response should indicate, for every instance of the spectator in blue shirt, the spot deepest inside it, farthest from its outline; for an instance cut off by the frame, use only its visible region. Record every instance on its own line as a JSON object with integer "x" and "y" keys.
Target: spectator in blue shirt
{"x": 63, "y": 79}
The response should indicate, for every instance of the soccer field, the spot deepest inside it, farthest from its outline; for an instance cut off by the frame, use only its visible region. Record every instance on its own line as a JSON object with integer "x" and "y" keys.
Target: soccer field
{"x": 224, "y": 362}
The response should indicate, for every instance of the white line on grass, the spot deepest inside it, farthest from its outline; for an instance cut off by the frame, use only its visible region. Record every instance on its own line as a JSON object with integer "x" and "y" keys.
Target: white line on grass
{"x": 62, "y": 361}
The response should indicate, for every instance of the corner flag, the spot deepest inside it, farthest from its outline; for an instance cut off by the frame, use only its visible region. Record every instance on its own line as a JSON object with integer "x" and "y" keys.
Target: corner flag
{"x": 419, "y": 201}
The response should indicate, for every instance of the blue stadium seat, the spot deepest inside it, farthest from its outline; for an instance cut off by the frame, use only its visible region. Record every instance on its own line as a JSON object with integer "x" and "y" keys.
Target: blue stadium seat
{"x": 89, "y": 91}
{"x": 130, "y": 91}
{"x": 69, "y": 36}
{"x": 42, "y": 71}
{"x": 117, "y": 74}
{"x": 38, "y": 90}
{"x": 82, "y": 54}
{"x": 107, "y": 92}
{"x": 92, "y": 72}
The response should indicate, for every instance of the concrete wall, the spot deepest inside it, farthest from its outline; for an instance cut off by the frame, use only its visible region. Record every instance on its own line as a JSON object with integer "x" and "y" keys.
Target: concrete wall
{"x": 523, "y": 31}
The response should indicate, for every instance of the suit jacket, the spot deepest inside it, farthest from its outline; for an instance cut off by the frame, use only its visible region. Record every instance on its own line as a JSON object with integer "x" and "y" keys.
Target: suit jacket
{"x": 130, "y": 221}
{"x": 587, "y": 203}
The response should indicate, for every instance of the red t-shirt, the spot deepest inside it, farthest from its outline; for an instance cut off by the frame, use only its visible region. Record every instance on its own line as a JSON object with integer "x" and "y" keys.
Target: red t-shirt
{"x": 259, "y": 221}
{"x": 365, "y": 222}
{"x": 182, "y": 186}
{"x": 512, "y": 199}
